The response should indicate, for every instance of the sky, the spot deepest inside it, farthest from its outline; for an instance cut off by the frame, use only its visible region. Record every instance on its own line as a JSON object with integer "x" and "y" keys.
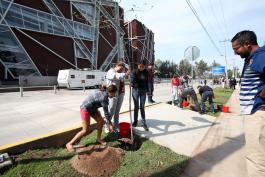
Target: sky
{"x": 176, "y": 28}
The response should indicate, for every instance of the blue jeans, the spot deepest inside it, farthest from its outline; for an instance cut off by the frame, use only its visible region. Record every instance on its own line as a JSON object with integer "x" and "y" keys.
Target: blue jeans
{"x": 207, "y": 95}
{"x": 139, "y": 95}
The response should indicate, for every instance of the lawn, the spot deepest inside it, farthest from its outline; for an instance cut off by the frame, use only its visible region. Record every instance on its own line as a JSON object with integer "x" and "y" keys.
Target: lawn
{"x": 150, "y": 160}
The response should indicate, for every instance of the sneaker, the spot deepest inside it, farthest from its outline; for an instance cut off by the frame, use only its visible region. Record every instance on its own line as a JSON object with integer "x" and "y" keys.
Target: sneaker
{"x": 134, "y": 124}
{"x": 201, "y": 112}
{"x": 145, "y": 127}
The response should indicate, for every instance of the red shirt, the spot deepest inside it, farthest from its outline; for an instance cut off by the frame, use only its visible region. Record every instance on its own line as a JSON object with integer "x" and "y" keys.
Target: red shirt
{"x": 175, "y": 81}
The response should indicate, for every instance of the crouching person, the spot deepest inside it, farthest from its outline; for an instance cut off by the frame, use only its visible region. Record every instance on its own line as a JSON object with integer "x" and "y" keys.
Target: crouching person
{"x": 186, "y": 91}
{"x": 206, "y": 93}
{"x": 89, "y": 107}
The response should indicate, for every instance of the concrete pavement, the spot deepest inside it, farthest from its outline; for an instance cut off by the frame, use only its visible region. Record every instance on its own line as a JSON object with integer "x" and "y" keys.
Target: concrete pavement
{"x": 221, "y": 152}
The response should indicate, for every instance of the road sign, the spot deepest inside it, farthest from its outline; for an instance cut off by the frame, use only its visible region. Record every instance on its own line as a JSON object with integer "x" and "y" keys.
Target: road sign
{"x": 192, "y": 53}
{"x": 218, "y": 70}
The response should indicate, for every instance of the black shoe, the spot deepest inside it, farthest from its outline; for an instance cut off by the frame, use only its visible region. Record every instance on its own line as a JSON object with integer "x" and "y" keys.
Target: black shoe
{"x": 151, "y": 101}
{"x": 201, "y": 112}
{"x": 134, "y": 124}
{"x": 145, "y": 127}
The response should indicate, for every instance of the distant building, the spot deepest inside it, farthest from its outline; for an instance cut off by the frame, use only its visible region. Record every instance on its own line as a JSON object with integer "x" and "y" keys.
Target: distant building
{"x": 139, "y": 43}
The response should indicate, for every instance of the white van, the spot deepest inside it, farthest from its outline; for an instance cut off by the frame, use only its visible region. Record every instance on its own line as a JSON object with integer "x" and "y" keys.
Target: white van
{"x": 72, "y": 78}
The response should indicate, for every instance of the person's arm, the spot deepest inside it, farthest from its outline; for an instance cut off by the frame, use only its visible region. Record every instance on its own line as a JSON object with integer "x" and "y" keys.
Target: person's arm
{"x": 200, "y": 91}
{"x": 112, "y": 75}
{"x": 105, "y": 104}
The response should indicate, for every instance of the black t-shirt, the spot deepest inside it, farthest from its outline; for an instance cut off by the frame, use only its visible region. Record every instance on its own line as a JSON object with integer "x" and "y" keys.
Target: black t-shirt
{"x": 204, "y": 89}
{"x": 139, "y": 79}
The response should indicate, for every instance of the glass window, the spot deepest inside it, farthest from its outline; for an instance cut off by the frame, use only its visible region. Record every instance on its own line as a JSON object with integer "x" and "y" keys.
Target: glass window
{"x": 72, "y": 76}
{"x": 57, "y": 27}
{"x": 90, "y": 76}
{"x": 14, "y": 17}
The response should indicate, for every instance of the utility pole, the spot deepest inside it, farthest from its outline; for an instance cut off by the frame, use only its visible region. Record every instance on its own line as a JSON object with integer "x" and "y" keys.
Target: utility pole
{"x": 226, "y": 74}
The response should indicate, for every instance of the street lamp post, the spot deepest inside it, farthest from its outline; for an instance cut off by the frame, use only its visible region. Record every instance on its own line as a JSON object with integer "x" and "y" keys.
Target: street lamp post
{"x": 226, "y": 75}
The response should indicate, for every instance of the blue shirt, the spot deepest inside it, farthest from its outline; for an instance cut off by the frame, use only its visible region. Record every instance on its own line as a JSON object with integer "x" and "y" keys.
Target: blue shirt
{"x": 252, "y": 82}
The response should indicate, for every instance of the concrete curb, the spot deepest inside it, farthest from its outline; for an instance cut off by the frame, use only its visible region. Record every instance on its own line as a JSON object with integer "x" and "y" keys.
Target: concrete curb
{"x": 56, "y": 139}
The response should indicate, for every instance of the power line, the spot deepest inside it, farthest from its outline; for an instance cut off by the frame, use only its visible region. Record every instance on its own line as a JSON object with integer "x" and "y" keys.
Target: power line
{"x": 225, "y": 24}
{"x": 204, "y": 28}
{"x": 211, "y": 25}
{"x": 218, "y": 22}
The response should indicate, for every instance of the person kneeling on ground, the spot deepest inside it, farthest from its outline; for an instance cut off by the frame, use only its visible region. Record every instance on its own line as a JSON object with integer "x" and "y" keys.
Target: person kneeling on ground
{"x": 187, "y": 90}
{"x": 206, "y": 93}
{"x": 89, "y": 108}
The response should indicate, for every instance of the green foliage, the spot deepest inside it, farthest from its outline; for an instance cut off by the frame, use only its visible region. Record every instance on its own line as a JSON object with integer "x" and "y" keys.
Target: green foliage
{"x": 184, "y": 67}
{"x": 215, "y": 64}
{"x": 201, "y": 67}
{"x": 166, "y": 69}
{"x": 230, "y": 73}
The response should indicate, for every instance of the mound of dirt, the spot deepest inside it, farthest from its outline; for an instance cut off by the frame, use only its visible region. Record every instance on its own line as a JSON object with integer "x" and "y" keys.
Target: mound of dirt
{"x": 97, "y": 160}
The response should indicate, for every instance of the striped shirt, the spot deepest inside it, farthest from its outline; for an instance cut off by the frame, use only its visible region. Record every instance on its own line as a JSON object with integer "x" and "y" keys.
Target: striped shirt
{"x": 252, "y": 82}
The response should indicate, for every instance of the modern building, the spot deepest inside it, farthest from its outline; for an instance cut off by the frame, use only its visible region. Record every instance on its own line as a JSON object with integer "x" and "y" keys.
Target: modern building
{"x": 40, "y": 37}
{"x": 139, "y": 43}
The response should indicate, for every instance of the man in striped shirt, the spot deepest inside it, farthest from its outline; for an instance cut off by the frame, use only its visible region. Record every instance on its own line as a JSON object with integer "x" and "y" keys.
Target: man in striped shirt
{"x": 252, "y": 99}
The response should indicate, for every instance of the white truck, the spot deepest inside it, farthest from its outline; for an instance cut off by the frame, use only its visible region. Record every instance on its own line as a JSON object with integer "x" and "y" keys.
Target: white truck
{"x": 72, "y": 78}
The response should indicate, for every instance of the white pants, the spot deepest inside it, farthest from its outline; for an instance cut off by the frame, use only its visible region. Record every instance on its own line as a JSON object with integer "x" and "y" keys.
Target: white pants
{"x": 255, "y": 143}
{"x": 175, "y": 93}
{"x": 115, "y": 104}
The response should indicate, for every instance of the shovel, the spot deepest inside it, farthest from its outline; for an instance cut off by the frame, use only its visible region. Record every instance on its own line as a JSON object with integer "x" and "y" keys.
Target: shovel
{"x": 125, "y": 141}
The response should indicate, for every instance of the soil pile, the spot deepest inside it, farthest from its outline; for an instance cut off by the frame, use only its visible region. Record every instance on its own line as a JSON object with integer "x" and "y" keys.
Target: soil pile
{"x": 97, "y": 160}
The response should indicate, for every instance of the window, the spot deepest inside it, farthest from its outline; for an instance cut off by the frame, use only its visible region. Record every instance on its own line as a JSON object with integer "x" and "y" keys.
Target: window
{"x": 72, "y": 76}
{"x": 90, "y": 76}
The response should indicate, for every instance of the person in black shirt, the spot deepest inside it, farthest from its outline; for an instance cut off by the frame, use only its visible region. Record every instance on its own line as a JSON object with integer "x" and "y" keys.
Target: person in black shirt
{"x": 206, "y": 93}
{"x": 139, "y": 84}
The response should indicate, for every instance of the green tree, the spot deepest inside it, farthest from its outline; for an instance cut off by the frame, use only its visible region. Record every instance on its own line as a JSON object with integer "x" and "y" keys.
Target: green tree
{"x": 215, "y": 64}
{"x": 230, "y": 73}
{"x": 201, "y": 67}
{"x": 184, "y": 67}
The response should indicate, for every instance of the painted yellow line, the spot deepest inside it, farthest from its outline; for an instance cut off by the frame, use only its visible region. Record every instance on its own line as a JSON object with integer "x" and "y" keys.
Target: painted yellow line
{"x": 54, "y": 133}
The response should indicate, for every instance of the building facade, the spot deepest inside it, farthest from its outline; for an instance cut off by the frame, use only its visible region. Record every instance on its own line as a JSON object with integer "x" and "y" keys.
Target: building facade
{"x": 139, "y": 43}
{"x": 40, "y": 37}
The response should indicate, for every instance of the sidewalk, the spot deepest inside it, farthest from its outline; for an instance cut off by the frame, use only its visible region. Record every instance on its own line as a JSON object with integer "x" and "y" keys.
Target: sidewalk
{"x": 221, "y": 153}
